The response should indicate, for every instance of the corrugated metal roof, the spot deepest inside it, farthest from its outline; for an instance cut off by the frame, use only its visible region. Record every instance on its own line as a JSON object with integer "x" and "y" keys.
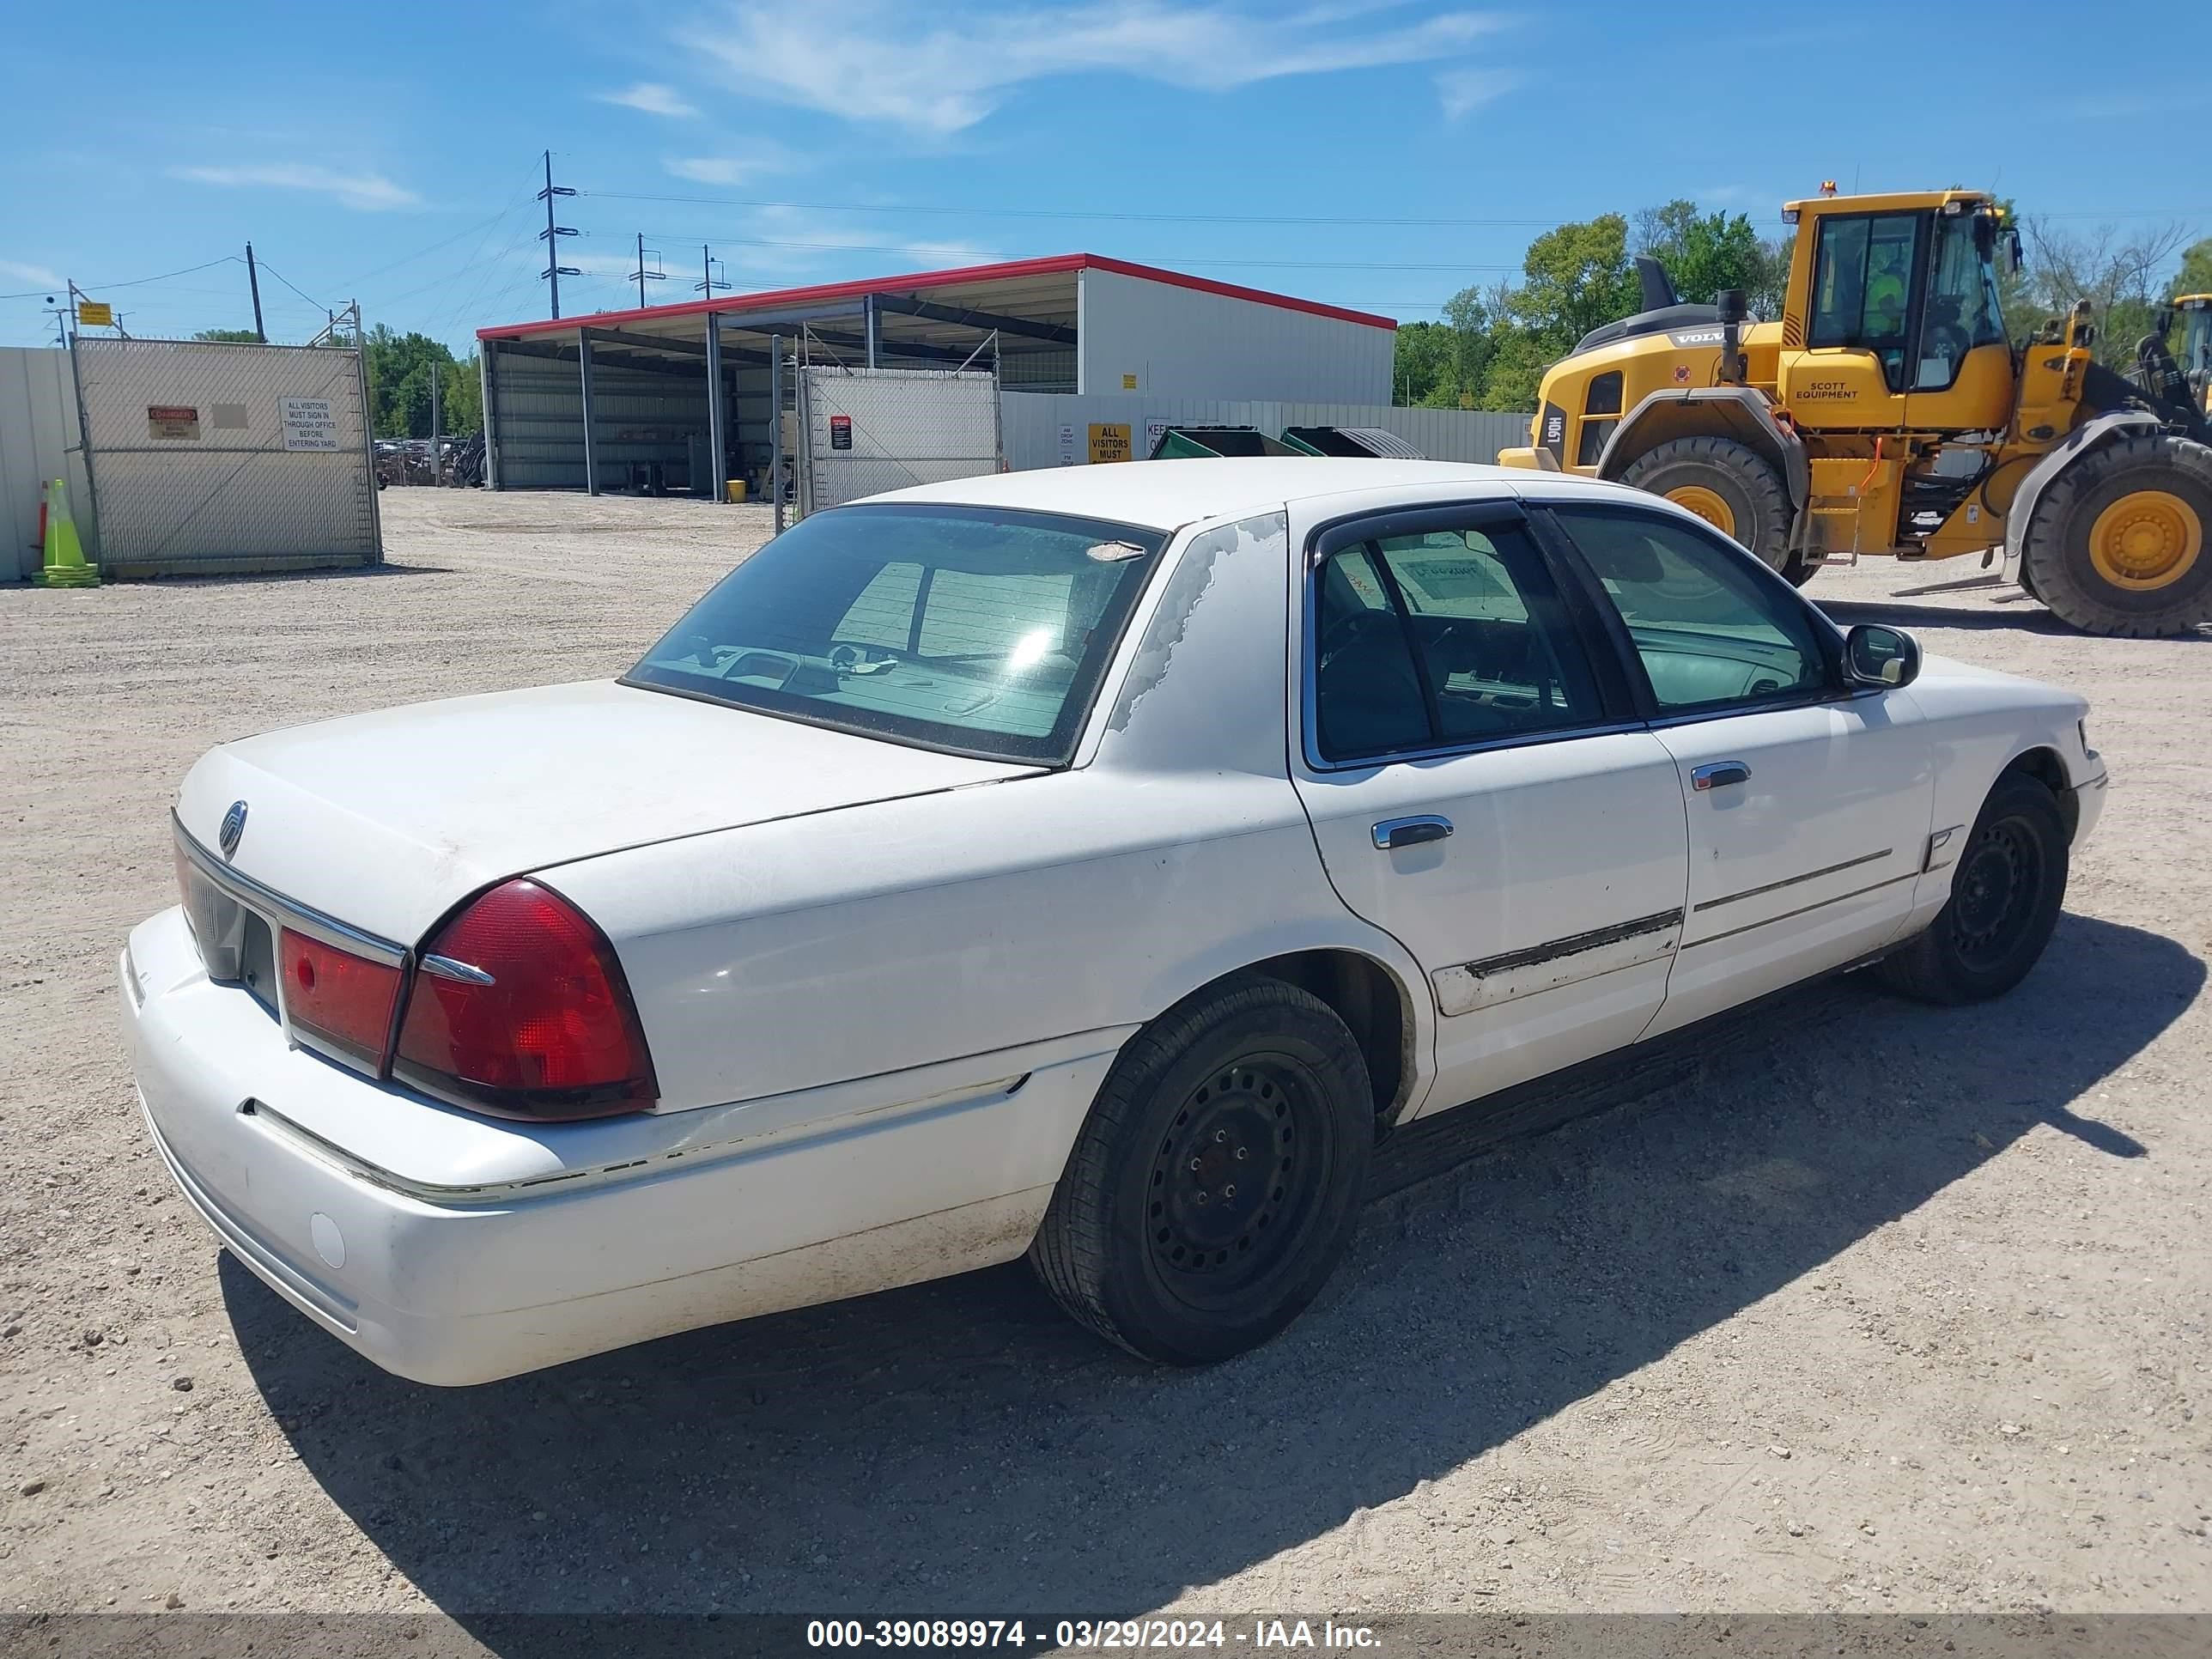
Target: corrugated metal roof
{"x": 998, "y": 283}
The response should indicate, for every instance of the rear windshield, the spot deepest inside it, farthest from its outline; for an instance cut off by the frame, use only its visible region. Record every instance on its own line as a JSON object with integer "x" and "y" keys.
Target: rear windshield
{"x": 972, "y": 629}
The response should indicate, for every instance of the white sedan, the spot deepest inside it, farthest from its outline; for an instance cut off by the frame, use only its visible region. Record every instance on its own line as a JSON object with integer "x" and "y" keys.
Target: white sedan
{"x": 1093, "y": 864}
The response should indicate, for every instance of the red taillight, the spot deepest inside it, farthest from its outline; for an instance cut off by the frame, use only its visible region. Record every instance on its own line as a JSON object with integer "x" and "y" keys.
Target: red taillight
{"x": 344, "y": 1000}
{"x": 540, "y": 1024}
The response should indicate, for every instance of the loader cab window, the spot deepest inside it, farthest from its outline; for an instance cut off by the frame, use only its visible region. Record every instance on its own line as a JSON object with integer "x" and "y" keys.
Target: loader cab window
{"x": 1863, "y": 287}
{"x": 1962, "y": 298}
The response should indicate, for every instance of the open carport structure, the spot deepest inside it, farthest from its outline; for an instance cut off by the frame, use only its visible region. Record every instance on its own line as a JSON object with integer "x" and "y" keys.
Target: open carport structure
{"x": 679, "y": 397}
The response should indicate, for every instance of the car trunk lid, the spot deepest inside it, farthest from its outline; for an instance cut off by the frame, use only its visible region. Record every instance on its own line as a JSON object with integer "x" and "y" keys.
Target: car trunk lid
{"x": 385, "y": 821}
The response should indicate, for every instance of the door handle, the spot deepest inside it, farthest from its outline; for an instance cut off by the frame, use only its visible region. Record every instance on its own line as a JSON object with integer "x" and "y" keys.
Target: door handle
{"x": 1393, "y": 833}
{"x": 1718, "y": 774}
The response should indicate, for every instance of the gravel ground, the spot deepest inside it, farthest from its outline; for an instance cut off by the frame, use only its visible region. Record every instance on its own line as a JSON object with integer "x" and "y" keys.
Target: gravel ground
{"x": 1860, "y": 1306}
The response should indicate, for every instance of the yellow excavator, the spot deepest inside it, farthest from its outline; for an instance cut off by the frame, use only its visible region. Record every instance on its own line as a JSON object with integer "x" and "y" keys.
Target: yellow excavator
{"x": 1885, "y": 413}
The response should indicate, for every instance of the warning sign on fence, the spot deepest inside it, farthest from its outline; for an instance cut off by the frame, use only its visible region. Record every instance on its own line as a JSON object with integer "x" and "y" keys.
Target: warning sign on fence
{"x": 1109, "y": 441}
{"x": 172, "y": 420}
{"x": 308, "y": 423}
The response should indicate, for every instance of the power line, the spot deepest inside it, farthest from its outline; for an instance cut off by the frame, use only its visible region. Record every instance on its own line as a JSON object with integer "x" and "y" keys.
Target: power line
{"x": 320, "y": 305}
{"x": 136, "y": 282}
{"x": 909, "y": 252}
{"x": 1235, "y": 219}
{"x": 1063, "y": 213}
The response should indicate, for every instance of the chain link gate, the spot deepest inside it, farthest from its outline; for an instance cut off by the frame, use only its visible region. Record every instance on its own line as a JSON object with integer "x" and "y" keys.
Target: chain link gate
{"x": 207, "y": 457}
{"x": 865, "y": 430}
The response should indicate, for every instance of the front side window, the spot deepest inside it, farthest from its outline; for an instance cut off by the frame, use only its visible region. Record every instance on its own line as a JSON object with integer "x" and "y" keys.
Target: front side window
{"x": 1962, "y": 300}
{"x": 1861, "y": 287}
{"x": 1710, "y": 630}
{"x": 975, "y": 630}
{"x": 1443, "y": 637}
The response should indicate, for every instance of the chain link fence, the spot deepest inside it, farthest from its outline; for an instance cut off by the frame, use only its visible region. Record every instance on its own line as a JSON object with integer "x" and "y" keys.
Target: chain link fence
{"x": 209, "y": 458}
{"x": 865, "y": 430}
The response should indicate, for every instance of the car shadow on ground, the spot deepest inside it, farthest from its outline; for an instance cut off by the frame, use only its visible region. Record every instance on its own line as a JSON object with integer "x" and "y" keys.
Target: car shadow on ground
{"x": 2018, "y": 613}
{"x": 959, "y": 1446}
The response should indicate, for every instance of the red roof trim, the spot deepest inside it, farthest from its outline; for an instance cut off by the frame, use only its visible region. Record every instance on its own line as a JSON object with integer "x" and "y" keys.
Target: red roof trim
{"x": 825, "y": 293}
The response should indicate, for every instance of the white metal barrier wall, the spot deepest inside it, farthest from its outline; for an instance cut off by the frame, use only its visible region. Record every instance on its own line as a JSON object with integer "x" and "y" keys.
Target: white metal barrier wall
{"x": 865, "y": 430}
{"x": 1059, "y": 430}
{"x": 38, "y": 444}
{"x": 210, "y": 457}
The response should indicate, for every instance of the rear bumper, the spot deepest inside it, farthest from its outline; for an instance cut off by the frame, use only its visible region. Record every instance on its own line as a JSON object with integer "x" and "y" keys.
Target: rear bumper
{"x": 455, "y": 1283}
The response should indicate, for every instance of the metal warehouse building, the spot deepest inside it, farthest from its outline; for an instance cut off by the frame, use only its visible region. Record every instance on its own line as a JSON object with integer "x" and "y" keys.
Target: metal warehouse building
{"x": 679, "y": 397}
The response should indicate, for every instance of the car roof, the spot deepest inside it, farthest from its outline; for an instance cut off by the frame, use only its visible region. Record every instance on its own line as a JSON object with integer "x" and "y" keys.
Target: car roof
{"x": 1168, "y": 495}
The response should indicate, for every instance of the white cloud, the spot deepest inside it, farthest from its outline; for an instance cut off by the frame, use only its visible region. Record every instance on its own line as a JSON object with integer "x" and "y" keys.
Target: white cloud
{"x": 940, "y": 70}
{"x": 652, "y": 97}
{"x": 370, "y": 191}
{"x": 38, "y": 276}
{"x": 753, "y": 162}
{"x": 1463, "y": 91}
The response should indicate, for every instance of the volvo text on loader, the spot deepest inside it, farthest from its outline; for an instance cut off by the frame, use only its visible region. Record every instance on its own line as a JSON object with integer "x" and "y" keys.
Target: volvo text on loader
{"x": 1885, "y": 413}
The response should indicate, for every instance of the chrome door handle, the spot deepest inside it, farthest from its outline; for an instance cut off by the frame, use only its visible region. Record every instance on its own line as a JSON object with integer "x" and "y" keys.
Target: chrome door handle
{"x": 1393, "y": 833}
{"x": 1718, "y": 774}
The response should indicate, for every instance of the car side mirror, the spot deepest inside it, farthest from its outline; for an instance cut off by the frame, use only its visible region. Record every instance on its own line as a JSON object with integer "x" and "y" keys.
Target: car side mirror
{"x": 1878, "y": 656}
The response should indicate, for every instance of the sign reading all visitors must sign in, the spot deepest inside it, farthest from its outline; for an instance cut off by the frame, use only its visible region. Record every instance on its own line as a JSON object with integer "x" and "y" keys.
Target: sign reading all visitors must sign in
{"x": 307, "y": 423}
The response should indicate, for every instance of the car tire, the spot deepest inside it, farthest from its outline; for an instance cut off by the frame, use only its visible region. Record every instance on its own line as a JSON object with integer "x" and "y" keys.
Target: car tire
{"x": 1732, "y": 488}
{"x": 1152, "y": 1240}
{"x": 2006, "y": 891}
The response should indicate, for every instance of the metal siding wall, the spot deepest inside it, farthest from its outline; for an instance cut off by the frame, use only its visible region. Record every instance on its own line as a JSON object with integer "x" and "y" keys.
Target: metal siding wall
{"x": 642, "y": 416}
{"x": 37, "y": 431}
{"x": 1185, "y": 342}
{"x": 1031, "y": 424}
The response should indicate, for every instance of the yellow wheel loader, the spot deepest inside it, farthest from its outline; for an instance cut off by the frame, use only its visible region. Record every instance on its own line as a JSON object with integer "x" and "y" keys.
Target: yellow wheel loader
{"x": 1885, "y": 413}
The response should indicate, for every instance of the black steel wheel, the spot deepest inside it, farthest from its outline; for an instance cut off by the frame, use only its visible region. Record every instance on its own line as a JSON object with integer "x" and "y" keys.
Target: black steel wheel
{"x": 2006, "y": 892}
{"x": 1217, "y": 1178}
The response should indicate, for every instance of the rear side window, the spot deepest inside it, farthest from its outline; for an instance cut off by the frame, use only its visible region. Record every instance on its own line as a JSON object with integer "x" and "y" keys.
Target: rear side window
{"x": 1445, "y": 637}
{"x": 1710, "y": 631}
{"x": 978, "y": 630}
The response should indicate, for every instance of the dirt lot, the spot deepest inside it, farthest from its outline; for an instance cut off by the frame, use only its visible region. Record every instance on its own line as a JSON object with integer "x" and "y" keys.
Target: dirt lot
{"x": 1872, "y": 1307}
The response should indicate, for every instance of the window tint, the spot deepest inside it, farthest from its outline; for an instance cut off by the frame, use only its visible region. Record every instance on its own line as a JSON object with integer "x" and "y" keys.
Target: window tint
{"x": 977, "y": 630}
{"x": 1441, "y": 638}
{"x": 1710, "y": 629}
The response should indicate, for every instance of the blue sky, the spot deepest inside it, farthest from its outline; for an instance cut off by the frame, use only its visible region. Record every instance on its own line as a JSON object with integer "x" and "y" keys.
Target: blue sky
{"x": 392, "y": 156}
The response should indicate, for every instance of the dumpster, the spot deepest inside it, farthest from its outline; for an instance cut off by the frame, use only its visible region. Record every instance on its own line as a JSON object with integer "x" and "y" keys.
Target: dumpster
{"x": 1184, "y": 443}
{"x": 1352, "y": 441}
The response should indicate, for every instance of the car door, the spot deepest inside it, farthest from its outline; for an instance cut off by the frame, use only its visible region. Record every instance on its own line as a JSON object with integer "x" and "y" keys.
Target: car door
{"x": 1480, "y": 786}
{"x": 1808, "y": 801}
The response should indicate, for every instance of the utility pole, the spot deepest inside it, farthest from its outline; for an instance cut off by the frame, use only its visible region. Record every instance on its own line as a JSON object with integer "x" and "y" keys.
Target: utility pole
{"x": 707, "y": 267}
{"x": 551, "y": 235}
{"x": 641, "y": 276}
{"x": 437, "y": 457}
{"x": 253, "y": 282}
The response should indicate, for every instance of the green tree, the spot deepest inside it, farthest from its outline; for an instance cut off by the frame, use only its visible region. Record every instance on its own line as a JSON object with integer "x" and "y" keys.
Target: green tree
{"x": 2195, "y": 275}
{"x": 229, "y": 336}
{"x": 1704, "y": 253}
{"x": 1577, "y": 276}
{"x": 399, "y": 369}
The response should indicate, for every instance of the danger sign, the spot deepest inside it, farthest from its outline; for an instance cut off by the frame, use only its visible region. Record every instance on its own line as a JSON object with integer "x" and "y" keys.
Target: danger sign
{"x": 840, "y": 432}
{"x": 173, "y": 421}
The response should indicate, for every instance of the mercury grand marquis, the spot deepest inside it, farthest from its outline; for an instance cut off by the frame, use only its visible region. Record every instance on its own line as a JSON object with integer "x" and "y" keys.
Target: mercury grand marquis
{"x": 1087, "y": 865}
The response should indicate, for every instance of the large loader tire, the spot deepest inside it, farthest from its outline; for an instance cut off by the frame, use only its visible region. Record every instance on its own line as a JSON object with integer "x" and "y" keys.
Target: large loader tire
{"x": 1732, "y": 488}
{"x": 2118, "y": 543}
